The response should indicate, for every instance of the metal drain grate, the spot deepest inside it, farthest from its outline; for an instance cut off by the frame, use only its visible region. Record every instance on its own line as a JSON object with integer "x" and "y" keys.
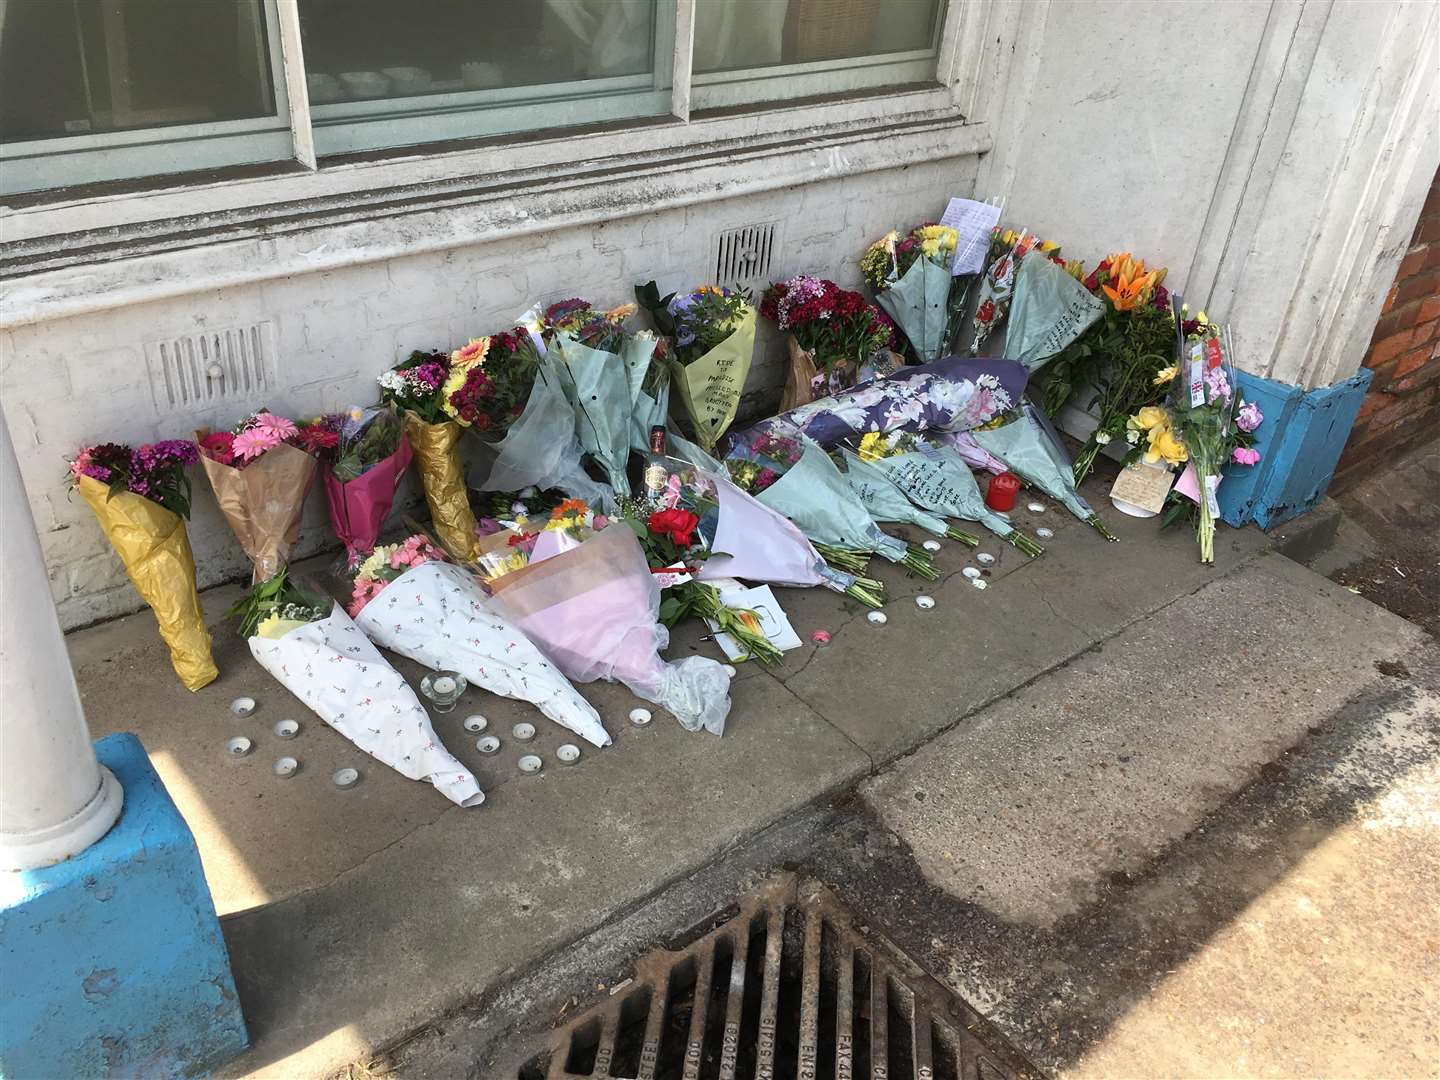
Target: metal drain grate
{"x": 785, "y": 988}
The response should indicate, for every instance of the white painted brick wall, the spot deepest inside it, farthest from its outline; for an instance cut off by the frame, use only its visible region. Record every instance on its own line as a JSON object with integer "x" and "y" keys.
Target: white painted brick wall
{"x": 83, "y": 380}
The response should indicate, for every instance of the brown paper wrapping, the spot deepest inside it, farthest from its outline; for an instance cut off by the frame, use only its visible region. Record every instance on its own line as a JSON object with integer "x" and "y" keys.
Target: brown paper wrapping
{"x": 263, "y": 503}
{"x": 437, "y": 457}
{"x": 798, "y": 376}
{"x": 155, "y": 548}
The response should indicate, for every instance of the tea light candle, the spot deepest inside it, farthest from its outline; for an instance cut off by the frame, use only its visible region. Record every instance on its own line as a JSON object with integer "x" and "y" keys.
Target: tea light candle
{"x": 444, "y": 685}
{"x": 1002, "y": 491}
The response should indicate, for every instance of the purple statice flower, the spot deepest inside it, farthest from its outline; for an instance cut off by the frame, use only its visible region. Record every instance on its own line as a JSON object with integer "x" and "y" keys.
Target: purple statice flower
{"x": 1249, "y": 417}
{"x": 426, "y": 377}
{"x": 1217, "y": 384}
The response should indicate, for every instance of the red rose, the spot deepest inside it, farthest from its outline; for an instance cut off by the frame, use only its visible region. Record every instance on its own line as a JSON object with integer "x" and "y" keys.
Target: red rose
{"x": 678, "y": 525}
{"x": 986, "y": 312}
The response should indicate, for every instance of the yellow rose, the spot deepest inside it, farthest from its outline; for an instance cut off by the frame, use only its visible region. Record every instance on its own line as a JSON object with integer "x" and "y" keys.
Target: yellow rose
{"x": 1165, "y": 444}
{"x": 1166, "y": 376}
{"x": 1151, "y": 417}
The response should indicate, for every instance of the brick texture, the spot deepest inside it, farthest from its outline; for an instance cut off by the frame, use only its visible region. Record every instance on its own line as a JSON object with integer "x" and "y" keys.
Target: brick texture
{"x": 1402, "y": 408}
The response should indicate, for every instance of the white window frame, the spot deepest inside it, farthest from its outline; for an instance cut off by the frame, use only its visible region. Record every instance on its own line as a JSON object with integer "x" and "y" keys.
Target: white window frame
{"x": 38, "y": 164}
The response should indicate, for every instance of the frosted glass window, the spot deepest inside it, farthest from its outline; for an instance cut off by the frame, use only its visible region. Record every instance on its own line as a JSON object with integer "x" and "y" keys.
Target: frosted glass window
{"x": 750, "y": 51}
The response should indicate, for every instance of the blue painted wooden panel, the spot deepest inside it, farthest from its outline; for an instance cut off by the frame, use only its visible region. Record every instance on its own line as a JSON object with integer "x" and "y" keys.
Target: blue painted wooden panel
{"x": 1300, "y": 443}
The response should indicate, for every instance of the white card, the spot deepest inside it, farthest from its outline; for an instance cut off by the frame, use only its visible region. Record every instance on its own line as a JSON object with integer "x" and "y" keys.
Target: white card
{"x": 974, "y": 222}
{"x": 773, "y": 623}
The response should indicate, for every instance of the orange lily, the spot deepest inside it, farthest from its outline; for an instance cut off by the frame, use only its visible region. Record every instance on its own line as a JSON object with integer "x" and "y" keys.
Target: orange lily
{"x": 1130, "y": 282}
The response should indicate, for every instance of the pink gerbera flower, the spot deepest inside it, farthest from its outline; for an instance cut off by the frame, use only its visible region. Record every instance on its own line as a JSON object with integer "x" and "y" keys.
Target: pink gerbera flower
{"x": 277, "y": 427}
{"x": 252, "y": 442}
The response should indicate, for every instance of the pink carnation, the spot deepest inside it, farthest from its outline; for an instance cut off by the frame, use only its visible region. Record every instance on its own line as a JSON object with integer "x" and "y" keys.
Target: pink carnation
{"x": 1243, "y": 455}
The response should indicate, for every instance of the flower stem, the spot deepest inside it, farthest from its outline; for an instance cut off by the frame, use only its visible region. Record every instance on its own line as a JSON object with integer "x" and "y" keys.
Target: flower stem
{"x": 741, "y": 624}
{"x": 1025, "y": 544}
{"x": 919, "y": 563}
{"x": 874, "y": 598}
{"x": 1085, "y": 460}
{"x": 961, "y": 536}
{"x": 850, "y": 560}
{"x": 1099, "y": 526}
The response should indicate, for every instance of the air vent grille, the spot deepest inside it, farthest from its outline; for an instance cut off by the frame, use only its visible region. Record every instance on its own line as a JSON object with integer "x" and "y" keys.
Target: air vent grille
{"x": 194, "y": 371}
{"x": 745, "y": 255}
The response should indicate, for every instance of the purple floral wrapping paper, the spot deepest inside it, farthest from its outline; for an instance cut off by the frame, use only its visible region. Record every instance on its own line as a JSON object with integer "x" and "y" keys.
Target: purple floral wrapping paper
{"x": 952, "y": 394}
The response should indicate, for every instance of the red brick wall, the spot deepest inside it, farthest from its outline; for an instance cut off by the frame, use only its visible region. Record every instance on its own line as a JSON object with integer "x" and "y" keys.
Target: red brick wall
{"x": 1402, "y": 408}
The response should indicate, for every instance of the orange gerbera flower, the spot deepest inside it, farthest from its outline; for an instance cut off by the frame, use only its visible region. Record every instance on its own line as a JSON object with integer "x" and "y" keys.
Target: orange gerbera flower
{"x": 577, "y": 507}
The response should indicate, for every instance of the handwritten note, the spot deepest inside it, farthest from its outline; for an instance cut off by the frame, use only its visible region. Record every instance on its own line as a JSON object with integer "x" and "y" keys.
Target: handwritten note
{"x": 1142, "y": 487}
{"x": 973, "y": 221}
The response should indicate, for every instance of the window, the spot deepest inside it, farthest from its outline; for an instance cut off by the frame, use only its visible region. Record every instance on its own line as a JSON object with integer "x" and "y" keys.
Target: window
{"x": 110, "y": 89}
{"x": 382, "y": 73}
{"x": 104, "y": 89}
{"x": 751, "y": 51}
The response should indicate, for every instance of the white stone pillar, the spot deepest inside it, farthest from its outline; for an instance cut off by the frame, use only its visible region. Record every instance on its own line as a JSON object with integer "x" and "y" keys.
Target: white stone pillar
{"x": 55, "y": 798}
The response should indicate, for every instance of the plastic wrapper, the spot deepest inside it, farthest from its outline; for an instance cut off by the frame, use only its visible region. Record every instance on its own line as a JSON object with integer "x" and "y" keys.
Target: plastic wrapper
{"x": 263, "y": 503}
{"x": 541, "y": 449}
{"x": 801, "y": 376}
{"x": 359, "y": 507}
{"x": 709, "y": 388}
{"x": 973, "y": 454}
{"x": 1050, "y": 310}
{"x": 436, "y": 448}
{"x": 438, "y": 616}
{"x": 937, "y": 480}
{"x": 594, "y": 611}
{"x": 919, "y": 302}
{"x": 1031, "y": 454}
{"x": 883, "y": 500}
{"x": 953, "y": 394}
{"x": 815, "y": 496}
{"x": 339, "y": 674}
{"x": 154, "y": 545}
{"x": 603, "y": 389}
{"x": 758, "y": 543}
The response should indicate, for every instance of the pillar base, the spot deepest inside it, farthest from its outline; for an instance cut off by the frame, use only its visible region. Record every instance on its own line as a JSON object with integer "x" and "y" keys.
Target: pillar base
{"x": 117, "y": 964}
{"x": 56, "y": 844}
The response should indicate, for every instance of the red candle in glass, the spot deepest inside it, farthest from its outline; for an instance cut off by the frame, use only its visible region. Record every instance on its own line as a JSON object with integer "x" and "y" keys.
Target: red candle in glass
{"x": 1001, "y": 493}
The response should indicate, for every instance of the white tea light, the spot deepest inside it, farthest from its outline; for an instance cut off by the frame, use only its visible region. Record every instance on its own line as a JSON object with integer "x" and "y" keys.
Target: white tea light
{"x": 286, "y": 767}
{"x": 879, "y": 618}
{"x": 924, "y": 603}
{"x": 984, "y": 558}
{"x": 487, "y": 744}
{"x": 972, "y": 572}
{"x": 444, "y": 685}
{"x": 1035, "y": 508}
{"x": 345, "y": 778}
{"x": 931, "y": 545}
{"x": 530, "y": 764}
{"x": 567, "y": 753}
{"x": 640, "y": 717}
{"x": 476, "y": 724}
{"x": 523, "y": 731}
{"x": 1044, "y": 534}
{"x": 287, "y": 729}
{"x": 239, "y": 746}
{"x": 242, "y": 706}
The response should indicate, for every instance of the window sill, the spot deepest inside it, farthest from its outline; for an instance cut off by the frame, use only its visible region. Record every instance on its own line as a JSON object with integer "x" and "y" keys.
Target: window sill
{"x": 93, "y": 252}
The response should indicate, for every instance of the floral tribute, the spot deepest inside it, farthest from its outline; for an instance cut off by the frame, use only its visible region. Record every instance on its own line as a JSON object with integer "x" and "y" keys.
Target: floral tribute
{"x": 383, "y": 565}
{"x": 250, "y": 439}
{"x": 913, "y": 285}
{"x": 155, "y": 471}
{"x": 834, "y": 331}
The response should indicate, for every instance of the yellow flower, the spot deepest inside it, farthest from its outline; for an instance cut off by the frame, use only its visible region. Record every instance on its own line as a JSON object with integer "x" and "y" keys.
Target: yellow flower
{"x": 273, "y": 626}
{"x": 1151, "y": 417}
{"x": 1165, "y": 444}
{"x": 873, "y": 446}
{"x": 1048, "y": 246}
{"x": 377, "y": 559}
{"x": 1075, "y": 268}
{"x": 1166, "y": 376}
{"x": 931, "y": 248}
{"x": 619, "y": 314}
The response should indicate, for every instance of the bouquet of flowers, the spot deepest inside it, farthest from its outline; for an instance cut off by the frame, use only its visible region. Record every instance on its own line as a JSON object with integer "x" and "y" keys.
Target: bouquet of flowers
{"x": 708, "y": 345}
{"x": 1208, "y": 416}
{"x": 1008, "y": 249}
{"x": 913, "y": 285}
{"x": 953, "y": 394}
{"x": 936, "y": 478}
{"x": 1051, "y": 308}
{"x": 421, "y": 391}
{"x": 492, "y": 394}
{"x": 832, "y": 334}
{"x": 1118, "y": 358}
{"x": 601, "y": 370}
{"x": 410, "y": 600}
{"x": 809, "y": 489}
{"x": 365, "y": 454}
{"x": 311, "y": 646}
{"x": 1028, "y": 445}
{"x": 141, "y": 498}
{"x": 594, "y": 610}
{"x": 885, "y": 501}
{"x": 260, "y": 477}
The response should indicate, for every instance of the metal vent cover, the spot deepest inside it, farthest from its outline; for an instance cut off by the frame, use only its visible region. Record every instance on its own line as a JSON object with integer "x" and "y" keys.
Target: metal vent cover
{"x": 787, "y": 987}
{"x": 212, "y": 367}
{"x": 744, "y": 255}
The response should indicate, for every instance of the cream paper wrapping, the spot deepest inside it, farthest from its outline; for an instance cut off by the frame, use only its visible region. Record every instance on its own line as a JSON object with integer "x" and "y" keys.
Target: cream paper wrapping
{"x": 335, "y": 670}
